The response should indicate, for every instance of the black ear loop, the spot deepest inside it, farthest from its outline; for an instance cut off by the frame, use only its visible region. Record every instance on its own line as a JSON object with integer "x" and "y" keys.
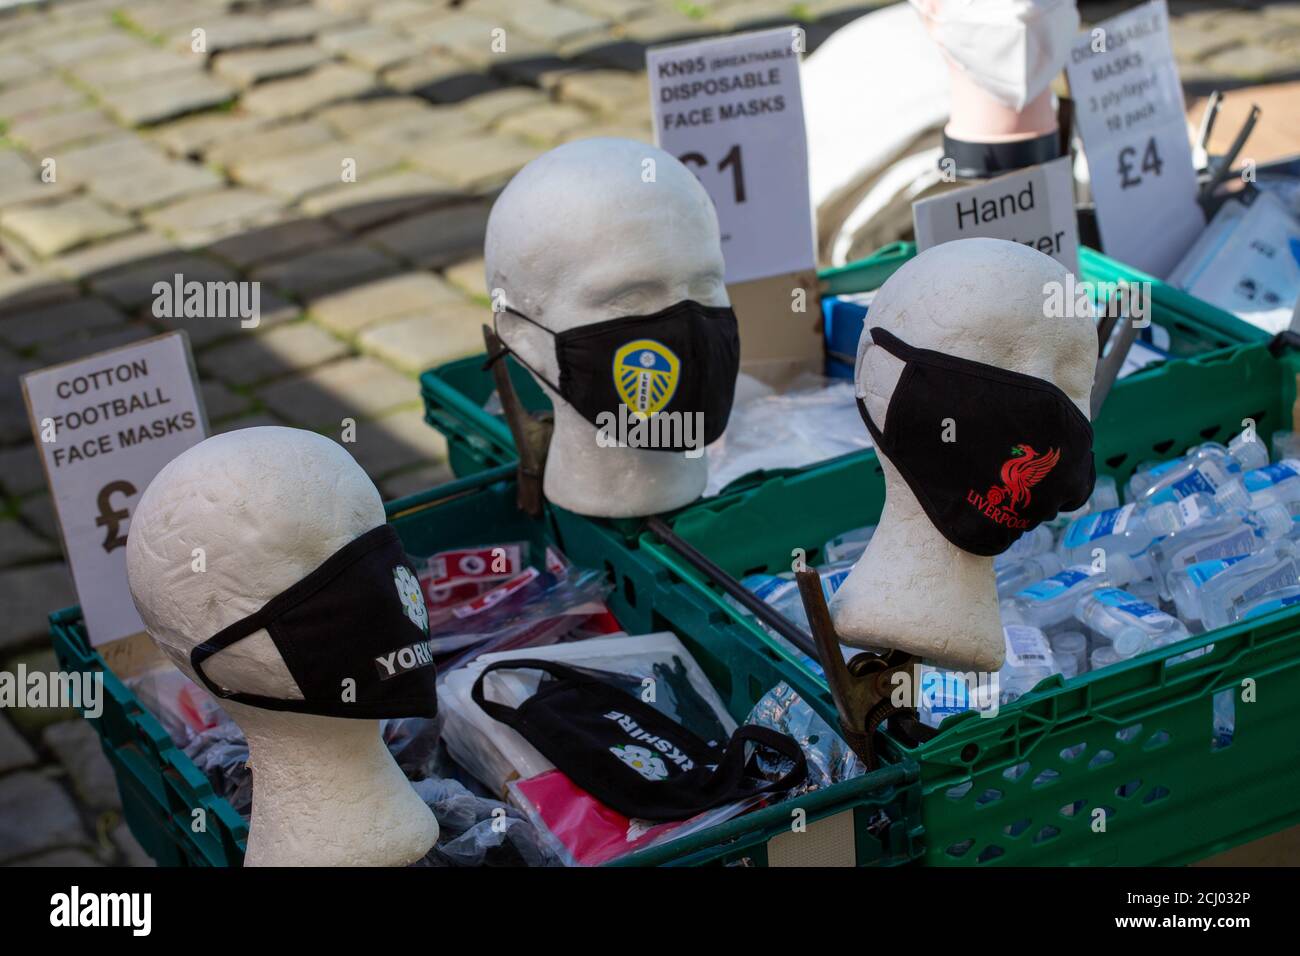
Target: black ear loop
{"x": 507, "y": 350}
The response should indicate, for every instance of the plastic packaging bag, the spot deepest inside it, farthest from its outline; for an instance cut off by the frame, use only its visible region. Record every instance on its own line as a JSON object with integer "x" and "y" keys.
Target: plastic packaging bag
{"x": 181, "y": 706}
{"x": 830, "y": 759}
{"x": 474, "y": 831}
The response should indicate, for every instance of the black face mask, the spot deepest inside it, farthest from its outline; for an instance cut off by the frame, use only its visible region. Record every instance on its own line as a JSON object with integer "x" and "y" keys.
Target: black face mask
{"x": 629, "y": 756}
{"x": 360, "y": 616}
{"x": 683, "y": 359}
{"x": 1021, "y": 450}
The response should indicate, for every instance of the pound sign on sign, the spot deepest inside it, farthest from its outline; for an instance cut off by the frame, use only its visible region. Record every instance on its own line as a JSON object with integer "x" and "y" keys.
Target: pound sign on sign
{"x": 110, "y": 518}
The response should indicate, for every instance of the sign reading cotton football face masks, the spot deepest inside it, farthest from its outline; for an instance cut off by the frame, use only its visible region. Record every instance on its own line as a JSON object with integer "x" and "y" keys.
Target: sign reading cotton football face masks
{"x": 1033, "y": 206}
{"x": 105, "y": 426}
{"x": 731, "y": 109}
{"x": 1130, "y": 111}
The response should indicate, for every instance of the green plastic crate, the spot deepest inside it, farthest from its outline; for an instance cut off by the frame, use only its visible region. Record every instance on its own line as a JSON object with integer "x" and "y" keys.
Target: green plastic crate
{"x": 1021, "y": 788}
{"x": 455, "y": 393}
{"x": 872, "y": 820}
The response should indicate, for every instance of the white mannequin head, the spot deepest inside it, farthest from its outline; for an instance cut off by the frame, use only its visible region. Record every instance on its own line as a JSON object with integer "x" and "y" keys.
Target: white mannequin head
{"x": 979, "y": 299}
{"x": 267, "y": 506}
{"x": 590, "y": 231}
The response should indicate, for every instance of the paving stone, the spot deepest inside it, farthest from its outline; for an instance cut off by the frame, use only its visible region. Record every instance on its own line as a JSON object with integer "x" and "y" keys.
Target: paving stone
{"x": 663, "y": 26}
{"x": 325, "y": 270}
{"x": 1192, "y": 40}
{"x": 401, "y": 12}
{"x": 63, "y": 859}
{"x": 478, "y": 163}
{"x": 436, "y": 77}
{"x": 132, "y": 287}
{"x": 267, "y": 243}
{"x": 543, "y": 72}
{"x": 28, "y": 595}
{"x": 491, "y": 107}
{"x": 556, "y": 24}
{"x": 38, "y": 97}
{"x": 295, "y": 176}
{"x": 351, "y": 310}
{"x": 396, "y": 442}
{"x": 56, "y": 227}
{"x": 356, "y": 206}
{"x": 609, "y": 91}
{"x": 134, "y": 190}
{"x": 348, "y": 119}
{"x": 467, "y": 37}
{"x": 641, "y": 134}
{"x": 20, "y": 470}
{"x": 246, "y": 67}
{"x": 149, "y": 64}
{"x": 133, "y": 250}
{"x": 60, "y": 320}
{"x": 204, "y": 331}
{"x": 1288, "y": 13}
{"x": 159, "y": 17}
{"x": 35, "y": 815}
{"x": 21, "y": 182}
{"x": 13, "y": 413}
{"x": 91, "y": 46}
{"x": 132, "y": 851}
{"x": 285, "y": 140}
{"x": 1254, "y": 63}
{"x": 37, "y": 512}
{"x": 613, "y": 10}
{"x": 193, "y": 135}
{"x": 76, "y": 745}
{"x": 221, "y": 402}
{"x": 28, "y": 290}
{"x": 294, "y": 97}
{"x": 257, "y": 420}
{"x": 82, "y": 344}
{"x": 15, "y": 753}
{"x": 310, "y": 20}
{"x": 18, "y": 546}
{"x": 420, "y": 342}
{"x": 235, "y": 31}
{"x": 260, "y": 357}
{"x": 373, "y": 47}
{"x": 359, "y": 387}
{"x": 41, "y": 133}
{"x": 468, "y": 276}
{"x": 17, "y": 67}
{"x": 202, "y": 219}
{"x": 435, "y": 239}
{"x": 437, "y": 124}
{"x": 414, "y": 480}
{"x": 152, "y": 102}
{"x": 548, "y": 124}
{"x": 126, "y": 152}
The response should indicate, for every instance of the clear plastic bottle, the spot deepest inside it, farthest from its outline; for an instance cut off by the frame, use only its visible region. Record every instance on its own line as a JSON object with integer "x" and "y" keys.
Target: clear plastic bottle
{"x": 1223, "y": 536}
{"x": 1285, "y": 597}
{"x": 1102, "y": 656}
{"x": 1127, "y": 530}
{"x": 1013, "y": 577}
{"x": 1070, "y": 651}
{"x": 1028, "y": 545}
{"x": 1105, "y": 495}
{"x": 1286, "y": 444}
{"x": 1052, "y": 600}
{"x": 1132, "y": 624}
{"x": 1218, "y": 592}
{"x": 1276, "y": 484}
{"x": 1203, "y": 469}
{"x": 1028, "y": 661}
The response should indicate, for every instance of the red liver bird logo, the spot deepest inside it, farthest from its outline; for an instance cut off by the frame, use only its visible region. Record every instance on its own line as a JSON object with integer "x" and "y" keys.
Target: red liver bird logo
{"x": 1024, "y": 469}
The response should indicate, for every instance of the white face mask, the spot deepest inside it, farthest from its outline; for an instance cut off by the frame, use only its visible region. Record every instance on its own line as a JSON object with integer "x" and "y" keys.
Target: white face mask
{"x": 1011, "y": 48}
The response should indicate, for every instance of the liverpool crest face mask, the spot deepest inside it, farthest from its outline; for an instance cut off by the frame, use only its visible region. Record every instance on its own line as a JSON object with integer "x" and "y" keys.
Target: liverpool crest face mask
{"x": 683, "y": 359}
{"x": 354, "y": 634}
{"x": 988, "y": 453}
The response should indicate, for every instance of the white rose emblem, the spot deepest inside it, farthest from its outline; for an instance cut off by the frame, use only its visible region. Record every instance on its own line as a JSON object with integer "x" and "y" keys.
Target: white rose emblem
{"x": 408, "y": 590}
{"x": 647, "y": 764}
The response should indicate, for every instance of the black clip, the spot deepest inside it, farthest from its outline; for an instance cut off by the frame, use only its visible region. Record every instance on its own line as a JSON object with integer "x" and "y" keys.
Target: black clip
{"x": 1286, "y": 339}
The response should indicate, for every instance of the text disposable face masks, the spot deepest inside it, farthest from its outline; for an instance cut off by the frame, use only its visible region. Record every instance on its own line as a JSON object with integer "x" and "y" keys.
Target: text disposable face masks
{"x": 989, "y": 453}
{"x": 683, "y": 359}
{"x": 1010, "y": 48}
{"x": 628, "y": 755}
{"x": 354, "y": 634}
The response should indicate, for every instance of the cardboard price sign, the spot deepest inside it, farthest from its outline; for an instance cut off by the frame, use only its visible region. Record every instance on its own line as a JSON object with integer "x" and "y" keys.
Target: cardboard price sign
{"x": 1033, "y": 206}
{"x": 731, "y": 109}
{"x": 105, "y": 426}
{"x": 1130, "y": 112}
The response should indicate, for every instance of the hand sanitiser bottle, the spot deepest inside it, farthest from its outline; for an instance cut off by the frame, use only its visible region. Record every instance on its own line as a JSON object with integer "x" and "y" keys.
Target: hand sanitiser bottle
{"x": 1203, "y": 469}
{"x": 1028, "y": 545}
{"x": 1218, "y": 592}
{"x": 1127, "y": 530}
{"x": 1131, "y": 625}
{"x": 1052, "y": 600}
{"x": 1012, "y": 578}
{"x": 1028, "y": 660}
{"x": 1277, "y": 484}
{"x": 1224, "y": 536}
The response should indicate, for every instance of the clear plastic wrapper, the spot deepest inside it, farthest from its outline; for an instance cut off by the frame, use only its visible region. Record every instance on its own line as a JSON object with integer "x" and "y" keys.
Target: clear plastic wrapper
{"x": 476, "y": 831}
{"x": 181, "y": 706}
{"x": 830, "y": 759}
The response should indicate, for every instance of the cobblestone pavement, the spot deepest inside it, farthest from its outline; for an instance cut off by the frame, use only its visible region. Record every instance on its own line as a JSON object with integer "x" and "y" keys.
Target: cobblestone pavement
{"x": 229, "y": 162}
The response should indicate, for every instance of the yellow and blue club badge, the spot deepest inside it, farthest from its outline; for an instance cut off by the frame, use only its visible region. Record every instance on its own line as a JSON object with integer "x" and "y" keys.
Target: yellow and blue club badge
{"x": 645, "y": 376}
